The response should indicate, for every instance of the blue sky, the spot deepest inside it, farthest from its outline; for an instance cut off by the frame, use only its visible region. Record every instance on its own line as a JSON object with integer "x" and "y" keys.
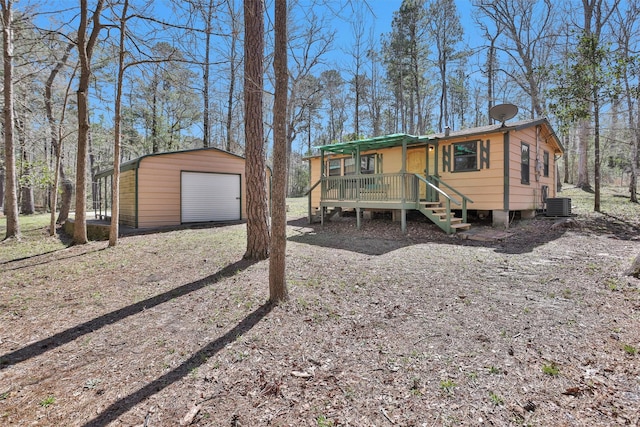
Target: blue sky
{"x": 384, "y": 9}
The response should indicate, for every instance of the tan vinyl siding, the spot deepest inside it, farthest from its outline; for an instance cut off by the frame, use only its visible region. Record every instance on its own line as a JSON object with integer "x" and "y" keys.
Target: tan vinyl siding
{"x": 486, "y": 186}
{"x": 391, "y": 159}
{"x": 529, "y": 196}
{"x": 314, "y": 165}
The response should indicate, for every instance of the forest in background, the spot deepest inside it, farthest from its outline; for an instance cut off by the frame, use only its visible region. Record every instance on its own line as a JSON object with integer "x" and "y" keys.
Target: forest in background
{"x": 180, "y": 64}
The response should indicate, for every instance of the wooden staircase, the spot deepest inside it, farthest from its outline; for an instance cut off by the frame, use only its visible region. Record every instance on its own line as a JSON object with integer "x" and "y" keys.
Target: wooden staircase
{"x": 437, "y": 213}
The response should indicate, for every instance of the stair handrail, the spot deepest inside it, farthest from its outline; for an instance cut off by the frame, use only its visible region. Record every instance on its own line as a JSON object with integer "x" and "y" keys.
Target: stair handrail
{"x": 308, "y": 193}
{"x": 442, "y": 193}
{"x": 313, "y": 186}
{"x": 465, "y": 199}
{"x": 448, "y": 199}
{"x": 452, "y": 189}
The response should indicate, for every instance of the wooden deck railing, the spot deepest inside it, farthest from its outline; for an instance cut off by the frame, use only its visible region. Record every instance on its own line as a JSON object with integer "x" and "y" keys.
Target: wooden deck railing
{"x": 396, "y": 187}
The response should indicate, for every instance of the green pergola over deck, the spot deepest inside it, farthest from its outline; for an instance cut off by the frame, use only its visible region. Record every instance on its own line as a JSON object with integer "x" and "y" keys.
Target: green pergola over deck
{"x": 377, "y": 142}
{"x": 354, "y": 148}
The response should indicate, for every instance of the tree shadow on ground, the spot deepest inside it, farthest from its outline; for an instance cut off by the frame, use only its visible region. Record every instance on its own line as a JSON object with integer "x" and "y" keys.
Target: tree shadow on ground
{"x": 332, "y": 236}
{"x": 45, "y": 257}
{"x": 131, "y": 231}
{"x": 64, "y": 239}
{"x": 69, "y": 335}
{"x": 378, "y": 237}
{"x": 197, "y": 359}
{"x": 618, "y": 227}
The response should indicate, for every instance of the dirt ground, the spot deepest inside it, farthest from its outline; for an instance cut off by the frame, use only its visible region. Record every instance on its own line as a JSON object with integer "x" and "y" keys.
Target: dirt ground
{"x": 537, "y": 328}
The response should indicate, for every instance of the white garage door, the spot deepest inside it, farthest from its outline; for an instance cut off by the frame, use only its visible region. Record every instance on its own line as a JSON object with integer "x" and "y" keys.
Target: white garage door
{"x": 210, "y": 197}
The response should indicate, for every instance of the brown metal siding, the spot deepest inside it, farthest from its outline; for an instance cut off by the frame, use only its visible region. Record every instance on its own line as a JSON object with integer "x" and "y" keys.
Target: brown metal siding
{"x": 159, "y": 182}
{"x": 128, "y": 198}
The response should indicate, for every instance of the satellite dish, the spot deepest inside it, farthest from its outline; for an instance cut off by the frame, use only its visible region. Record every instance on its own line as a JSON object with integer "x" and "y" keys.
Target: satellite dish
{"x": 503, "y": 112}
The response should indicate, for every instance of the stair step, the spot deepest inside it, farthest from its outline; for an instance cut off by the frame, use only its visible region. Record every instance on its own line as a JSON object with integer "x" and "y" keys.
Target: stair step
{"x": 461, "y": 226}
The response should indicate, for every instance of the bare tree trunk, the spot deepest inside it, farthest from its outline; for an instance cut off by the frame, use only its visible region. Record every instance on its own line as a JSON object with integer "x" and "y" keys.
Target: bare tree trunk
{"x": 232, "y": 74}
{"x": 80, "y": 221}
{"x": 257, "y": 212}
{"x": 2, "y": 184}
{"x": 633, "y": 181}
{"x": 67, "y": 198}
{"x": 54, "y": 193}
{"x": 11, "y": 192}
{"x": 444, "y": 112}
{"x": 85, "y": 49}
{"x": 277, "y": 261}
{"x": 596, "y": 151}
{"x": 155, "y": 145}
{"x": 565, "y": 158}
{"x": 26, "y": 190}
{"x": 529, "y": 30}
{"x": 624, "y": 25}
{"x": 56, "y": 138}
{"x": 114, "y": 228}
{"x": 583, "y": 155}
{"x": 206, "y": 119}
{"x": 93, "y": 170}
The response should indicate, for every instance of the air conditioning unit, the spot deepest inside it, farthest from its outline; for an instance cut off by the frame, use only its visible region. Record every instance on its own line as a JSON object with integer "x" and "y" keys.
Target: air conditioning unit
{"x": 558, "y": 206}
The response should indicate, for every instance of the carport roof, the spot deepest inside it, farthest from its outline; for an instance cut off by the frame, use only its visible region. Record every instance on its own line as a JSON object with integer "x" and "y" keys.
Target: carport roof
{"x": 135, "y": 163}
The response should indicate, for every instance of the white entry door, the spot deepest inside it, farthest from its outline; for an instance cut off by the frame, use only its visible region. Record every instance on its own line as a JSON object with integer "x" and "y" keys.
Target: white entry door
{"x": 210, "y": 197}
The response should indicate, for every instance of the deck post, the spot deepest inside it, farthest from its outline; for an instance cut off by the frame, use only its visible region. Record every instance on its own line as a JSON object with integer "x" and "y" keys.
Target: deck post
{"x": 464, "y": 209}
{"x": 403, "y": 211}
{"x": 358, "y": 218}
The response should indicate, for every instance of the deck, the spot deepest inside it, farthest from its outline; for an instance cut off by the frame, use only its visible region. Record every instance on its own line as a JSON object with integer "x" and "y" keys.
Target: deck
{"x": 397, "y": 191}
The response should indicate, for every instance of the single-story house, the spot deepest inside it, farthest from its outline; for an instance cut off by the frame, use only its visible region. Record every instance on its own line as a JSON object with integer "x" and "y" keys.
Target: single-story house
{"x": 178, "y": 187}
{"x": 496, "y": 169}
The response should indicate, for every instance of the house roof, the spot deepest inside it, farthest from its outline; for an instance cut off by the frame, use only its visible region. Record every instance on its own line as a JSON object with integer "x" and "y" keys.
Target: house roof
{"x": 521, "y": 124}
{"x": 394, "y": 140}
